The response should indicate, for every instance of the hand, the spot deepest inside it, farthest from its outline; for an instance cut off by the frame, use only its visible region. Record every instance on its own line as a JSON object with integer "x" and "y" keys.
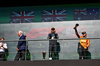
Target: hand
{"x": 76, "y": 25}
{"x": 17, "y": 49}
{"x": 1, "y": 45}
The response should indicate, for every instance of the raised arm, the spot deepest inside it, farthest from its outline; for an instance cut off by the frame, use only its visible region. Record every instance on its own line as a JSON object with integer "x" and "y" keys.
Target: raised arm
{"x": 76, "y": 32}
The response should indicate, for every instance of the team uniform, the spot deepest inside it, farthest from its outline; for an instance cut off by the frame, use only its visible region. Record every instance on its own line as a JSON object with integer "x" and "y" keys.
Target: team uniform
{"x": 52, "y": 44}
{"x": 83, "y": 45}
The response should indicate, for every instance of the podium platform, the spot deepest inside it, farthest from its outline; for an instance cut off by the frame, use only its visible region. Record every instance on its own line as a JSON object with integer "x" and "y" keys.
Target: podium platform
{"x": 93, "y": 62}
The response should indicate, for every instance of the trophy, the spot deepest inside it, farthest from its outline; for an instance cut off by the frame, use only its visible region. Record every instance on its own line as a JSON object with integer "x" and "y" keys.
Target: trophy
{"x": 44, "y": 54}
{"x": 76, "y": 25}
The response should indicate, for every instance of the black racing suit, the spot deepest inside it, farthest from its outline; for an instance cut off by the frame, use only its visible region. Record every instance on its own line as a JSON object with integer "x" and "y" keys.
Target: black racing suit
{"x": 52, "y": 44}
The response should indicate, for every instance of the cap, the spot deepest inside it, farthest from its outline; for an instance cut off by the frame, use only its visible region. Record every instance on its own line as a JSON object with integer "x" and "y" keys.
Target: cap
{"x": 52, "y": 28}
{"x": 83, "y": 32}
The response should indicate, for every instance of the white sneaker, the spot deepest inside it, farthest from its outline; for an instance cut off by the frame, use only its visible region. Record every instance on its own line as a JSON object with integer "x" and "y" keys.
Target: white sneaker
{"x": 50, "y": 58}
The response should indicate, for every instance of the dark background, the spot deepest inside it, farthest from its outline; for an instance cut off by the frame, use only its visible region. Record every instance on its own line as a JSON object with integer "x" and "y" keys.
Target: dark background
{"x": 13, "y": 3}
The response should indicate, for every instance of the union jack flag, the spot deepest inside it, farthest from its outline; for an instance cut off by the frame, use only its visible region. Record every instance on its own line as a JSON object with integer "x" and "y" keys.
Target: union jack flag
{"x": 53, "y": 15}
{"x": 22, "y": 17}
{"x": 80, "y": 12}
{"x": 86, "y": 14}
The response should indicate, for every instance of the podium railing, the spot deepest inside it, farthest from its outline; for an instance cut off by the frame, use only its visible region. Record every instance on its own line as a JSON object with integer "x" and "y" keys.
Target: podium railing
{"x": 67, "y": 47}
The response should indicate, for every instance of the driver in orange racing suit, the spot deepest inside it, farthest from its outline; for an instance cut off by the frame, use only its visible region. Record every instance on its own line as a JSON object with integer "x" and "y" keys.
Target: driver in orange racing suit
{"x": 83, "y": 43}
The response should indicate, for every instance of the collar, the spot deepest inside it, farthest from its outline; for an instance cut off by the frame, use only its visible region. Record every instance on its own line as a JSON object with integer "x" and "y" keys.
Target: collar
{"x": 21, "y": 35}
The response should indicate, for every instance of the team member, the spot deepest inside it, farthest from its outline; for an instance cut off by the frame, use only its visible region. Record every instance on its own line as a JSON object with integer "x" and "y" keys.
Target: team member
{"x": 21, "y": 47}
{"x": 84, "y": 43}
{"x": 3, "y": 46}
{"x": 52, "y": 43}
